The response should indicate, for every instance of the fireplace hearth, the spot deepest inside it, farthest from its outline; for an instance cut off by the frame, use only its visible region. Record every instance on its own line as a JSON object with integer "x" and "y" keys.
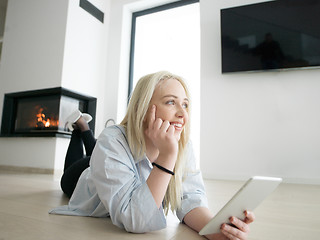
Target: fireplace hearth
{"x": 42, "y": 113}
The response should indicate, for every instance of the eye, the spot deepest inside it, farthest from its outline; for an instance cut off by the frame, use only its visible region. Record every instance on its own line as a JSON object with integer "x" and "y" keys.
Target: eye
{"x": 170, "y": 102}
{"x": 185, "y": 105}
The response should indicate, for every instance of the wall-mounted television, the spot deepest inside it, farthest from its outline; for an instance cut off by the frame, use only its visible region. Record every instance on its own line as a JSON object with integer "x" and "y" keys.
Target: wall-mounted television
{"x": 271, "y": 35}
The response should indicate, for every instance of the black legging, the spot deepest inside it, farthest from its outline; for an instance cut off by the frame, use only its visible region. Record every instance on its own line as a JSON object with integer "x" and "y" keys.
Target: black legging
{"x": 76, "y": 162}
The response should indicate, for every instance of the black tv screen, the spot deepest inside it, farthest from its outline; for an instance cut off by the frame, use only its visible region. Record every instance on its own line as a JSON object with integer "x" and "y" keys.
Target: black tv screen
{"x": 271, "y": 35}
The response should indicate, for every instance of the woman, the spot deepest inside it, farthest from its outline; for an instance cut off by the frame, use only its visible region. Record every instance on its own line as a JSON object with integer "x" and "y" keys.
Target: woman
{"x": 144, "y": 166}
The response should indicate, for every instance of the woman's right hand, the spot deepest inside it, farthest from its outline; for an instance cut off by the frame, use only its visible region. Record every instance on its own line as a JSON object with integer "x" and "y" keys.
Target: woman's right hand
{"x": 161, "y": 134}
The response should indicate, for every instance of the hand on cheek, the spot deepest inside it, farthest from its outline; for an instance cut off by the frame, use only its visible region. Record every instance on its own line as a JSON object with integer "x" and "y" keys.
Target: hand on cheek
{"x": 161, "y": 133}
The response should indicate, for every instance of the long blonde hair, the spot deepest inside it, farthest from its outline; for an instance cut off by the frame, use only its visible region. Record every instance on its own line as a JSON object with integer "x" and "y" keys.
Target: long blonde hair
{"x": 133, "y": 123}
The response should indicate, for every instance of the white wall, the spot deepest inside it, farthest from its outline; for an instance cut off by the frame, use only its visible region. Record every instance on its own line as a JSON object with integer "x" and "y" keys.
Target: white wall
{"x": 85, "y": 55}
{"x": 31, "y": 55}
{"x": 256, "y": 123}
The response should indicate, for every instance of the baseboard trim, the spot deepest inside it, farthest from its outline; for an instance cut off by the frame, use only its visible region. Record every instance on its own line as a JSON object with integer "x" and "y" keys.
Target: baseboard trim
{"x": 19, "y": 169}
{"x": 293, "y": 180}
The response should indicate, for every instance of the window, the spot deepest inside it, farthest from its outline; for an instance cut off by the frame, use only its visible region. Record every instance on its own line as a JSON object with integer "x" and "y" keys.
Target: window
{"x": 168, "y": 38}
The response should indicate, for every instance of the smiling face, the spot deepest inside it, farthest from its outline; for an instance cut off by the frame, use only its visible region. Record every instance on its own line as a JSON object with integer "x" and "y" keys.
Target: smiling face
{"x": 171, "y": 104}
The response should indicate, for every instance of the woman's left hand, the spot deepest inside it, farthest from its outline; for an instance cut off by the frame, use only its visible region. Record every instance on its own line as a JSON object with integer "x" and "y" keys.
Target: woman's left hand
{"x": 240, "y": 230}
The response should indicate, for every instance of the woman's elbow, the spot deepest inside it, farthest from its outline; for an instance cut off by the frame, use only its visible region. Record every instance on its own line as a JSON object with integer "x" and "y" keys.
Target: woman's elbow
{"x": 140, "y": 224}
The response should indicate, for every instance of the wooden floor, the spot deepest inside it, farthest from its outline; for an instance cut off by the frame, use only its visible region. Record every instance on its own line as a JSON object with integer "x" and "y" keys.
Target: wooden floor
{"x": 292, "y": 212}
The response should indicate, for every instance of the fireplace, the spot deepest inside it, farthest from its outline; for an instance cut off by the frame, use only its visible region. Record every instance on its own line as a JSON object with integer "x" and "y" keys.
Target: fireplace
{"x": 42, "y": 113}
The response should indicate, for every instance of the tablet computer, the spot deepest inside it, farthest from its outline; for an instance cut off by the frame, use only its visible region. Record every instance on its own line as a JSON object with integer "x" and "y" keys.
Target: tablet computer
{"x": 249, "y": 196}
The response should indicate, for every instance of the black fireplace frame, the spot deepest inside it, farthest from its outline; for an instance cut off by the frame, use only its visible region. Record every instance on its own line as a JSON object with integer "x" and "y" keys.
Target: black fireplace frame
{"x": 9, "y": 112}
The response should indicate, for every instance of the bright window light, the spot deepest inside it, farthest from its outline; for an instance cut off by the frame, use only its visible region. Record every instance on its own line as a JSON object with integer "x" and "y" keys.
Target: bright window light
{"x": 170, "y": 40}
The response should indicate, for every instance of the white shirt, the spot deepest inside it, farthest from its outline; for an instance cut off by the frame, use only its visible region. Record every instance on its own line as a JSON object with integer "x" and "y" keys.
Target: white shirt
{"x": 115, "y": 186}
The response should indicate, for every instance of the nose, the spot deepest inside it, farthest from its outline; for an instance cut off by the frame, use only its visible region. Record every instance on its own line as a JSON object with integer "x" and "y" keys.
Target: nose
{"x": 181, "y": 111}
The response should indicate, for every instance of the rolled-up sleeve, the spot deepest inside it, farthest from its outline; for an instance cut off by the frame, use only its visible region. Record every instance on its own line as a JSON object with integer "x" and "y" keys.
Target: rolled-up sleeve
{"x": 125, "y": 195}
{"x": 193, "y": 187}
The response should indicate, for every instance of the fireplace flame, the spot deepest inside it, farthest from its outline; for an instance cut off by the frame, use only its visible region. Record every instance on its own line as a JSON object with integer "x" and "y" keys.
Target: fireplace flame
{"x": 43, "y": 121}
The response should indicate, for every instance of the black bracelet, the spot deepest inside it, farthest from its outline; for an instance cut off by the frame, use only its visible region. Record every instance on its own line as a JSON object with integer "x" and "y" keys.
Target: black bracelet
{"x": 162, "y": 168}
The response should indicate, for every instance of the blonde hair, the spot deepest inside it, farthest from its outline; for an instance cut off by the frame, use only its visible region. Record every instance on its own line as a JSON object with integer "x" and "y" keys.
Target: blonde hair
{"x": 133, "y": 123}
